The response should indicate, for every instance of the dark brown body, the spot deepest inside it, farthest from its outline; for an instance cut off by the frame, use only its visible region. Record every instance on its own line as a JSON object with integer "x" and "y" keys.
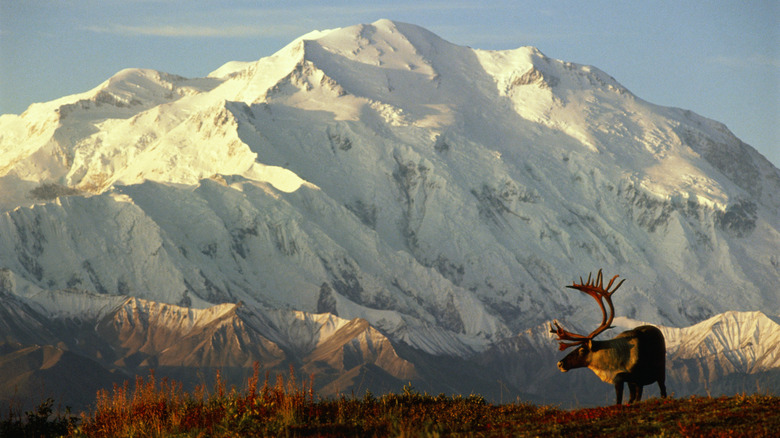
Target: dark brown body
{"x": 636, "y": 357}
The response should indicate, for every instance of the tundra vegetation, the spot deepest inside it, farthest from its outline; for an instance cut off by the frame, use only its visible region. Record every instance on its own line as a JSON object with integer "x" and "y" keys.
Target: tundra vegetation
{"x": 289, "y": 407}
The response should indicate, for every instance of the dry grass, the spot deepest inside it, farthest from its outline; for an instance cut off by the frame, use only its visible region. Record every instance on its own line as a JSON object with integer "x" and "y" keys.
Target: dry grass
{"x": 288, "y": 408}
{"x": 163, "y": 409}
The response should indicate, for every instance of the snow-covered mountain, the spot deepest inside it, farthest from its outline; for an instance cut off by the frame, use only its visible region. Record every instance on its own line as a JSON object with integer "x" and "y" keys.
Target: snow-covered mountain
{"x": 97, "y": 340}
{"x": 432, "y": 197}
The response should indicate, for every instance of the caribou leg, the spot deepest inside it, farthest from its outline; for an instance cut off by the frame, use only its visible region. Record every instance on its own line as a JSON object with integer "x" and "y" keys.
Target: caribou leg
{"x": 636, "y": 392}
{"x": 619, "y": 379}
{"x": 662, "y": 387}
{"x": 619, "y": 393}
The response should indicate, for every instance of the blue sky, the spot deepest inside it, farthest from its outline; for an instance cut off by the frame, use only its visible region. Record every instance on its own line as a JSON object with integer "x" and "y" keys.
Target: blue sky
{"x": 720, "y": 59}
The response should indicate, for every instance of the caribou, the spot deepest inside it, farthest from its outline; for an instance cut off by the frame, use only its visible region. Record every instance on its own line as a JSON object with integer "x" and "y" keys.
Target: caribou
{"x": 636, "y": 357}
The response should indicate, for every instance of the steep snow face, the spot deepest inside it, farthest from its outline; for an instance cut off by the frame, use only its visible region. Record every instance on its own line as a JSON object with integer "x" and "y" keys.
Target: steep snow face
{"x": 84, "y": 142}
{"x": 230, "y": 240}
{"x": 130, "y": 129}
{"x": 57, "y": 128}
{"x": 441, "y": 193}
{"x": 747, "y": 342}
{"x": 661, "y": 147}
{"x": 733, "y": 342}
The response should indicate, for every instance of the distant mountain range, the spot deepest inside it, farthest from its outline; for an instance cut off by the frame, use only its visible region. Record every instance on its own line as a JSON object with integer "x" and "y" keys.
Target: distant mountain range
{"x": 374, "y": 206}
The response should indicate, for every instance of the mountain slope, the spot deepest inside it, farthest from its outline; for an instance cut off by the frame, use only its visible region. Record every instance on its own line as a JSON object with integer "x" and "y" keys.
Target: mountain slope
{"x": 438, "y": 194}
{"x": 32, "y": 374}
{"x": 133, "y": 336}
{"x": 729, "y": 353}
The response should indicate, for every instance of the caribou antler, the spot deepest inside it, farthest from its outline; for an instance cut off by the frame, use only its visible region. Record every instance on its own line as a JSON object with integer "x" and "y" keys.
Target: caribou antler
{"x": 596, "y": 290}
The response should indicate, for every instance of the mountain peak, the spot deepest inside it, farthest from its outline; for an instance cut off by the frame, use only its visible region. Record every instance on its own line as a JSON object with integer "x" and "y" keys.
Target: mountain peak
{"x": 383, "y": 44}
{"x": 325, "y": 175}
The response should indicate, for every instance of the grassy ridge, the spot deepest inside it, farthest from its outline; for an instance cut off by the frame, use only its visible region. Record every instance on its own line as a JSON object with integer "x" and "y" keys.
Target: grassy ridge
{"x": 290, "y": 408}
